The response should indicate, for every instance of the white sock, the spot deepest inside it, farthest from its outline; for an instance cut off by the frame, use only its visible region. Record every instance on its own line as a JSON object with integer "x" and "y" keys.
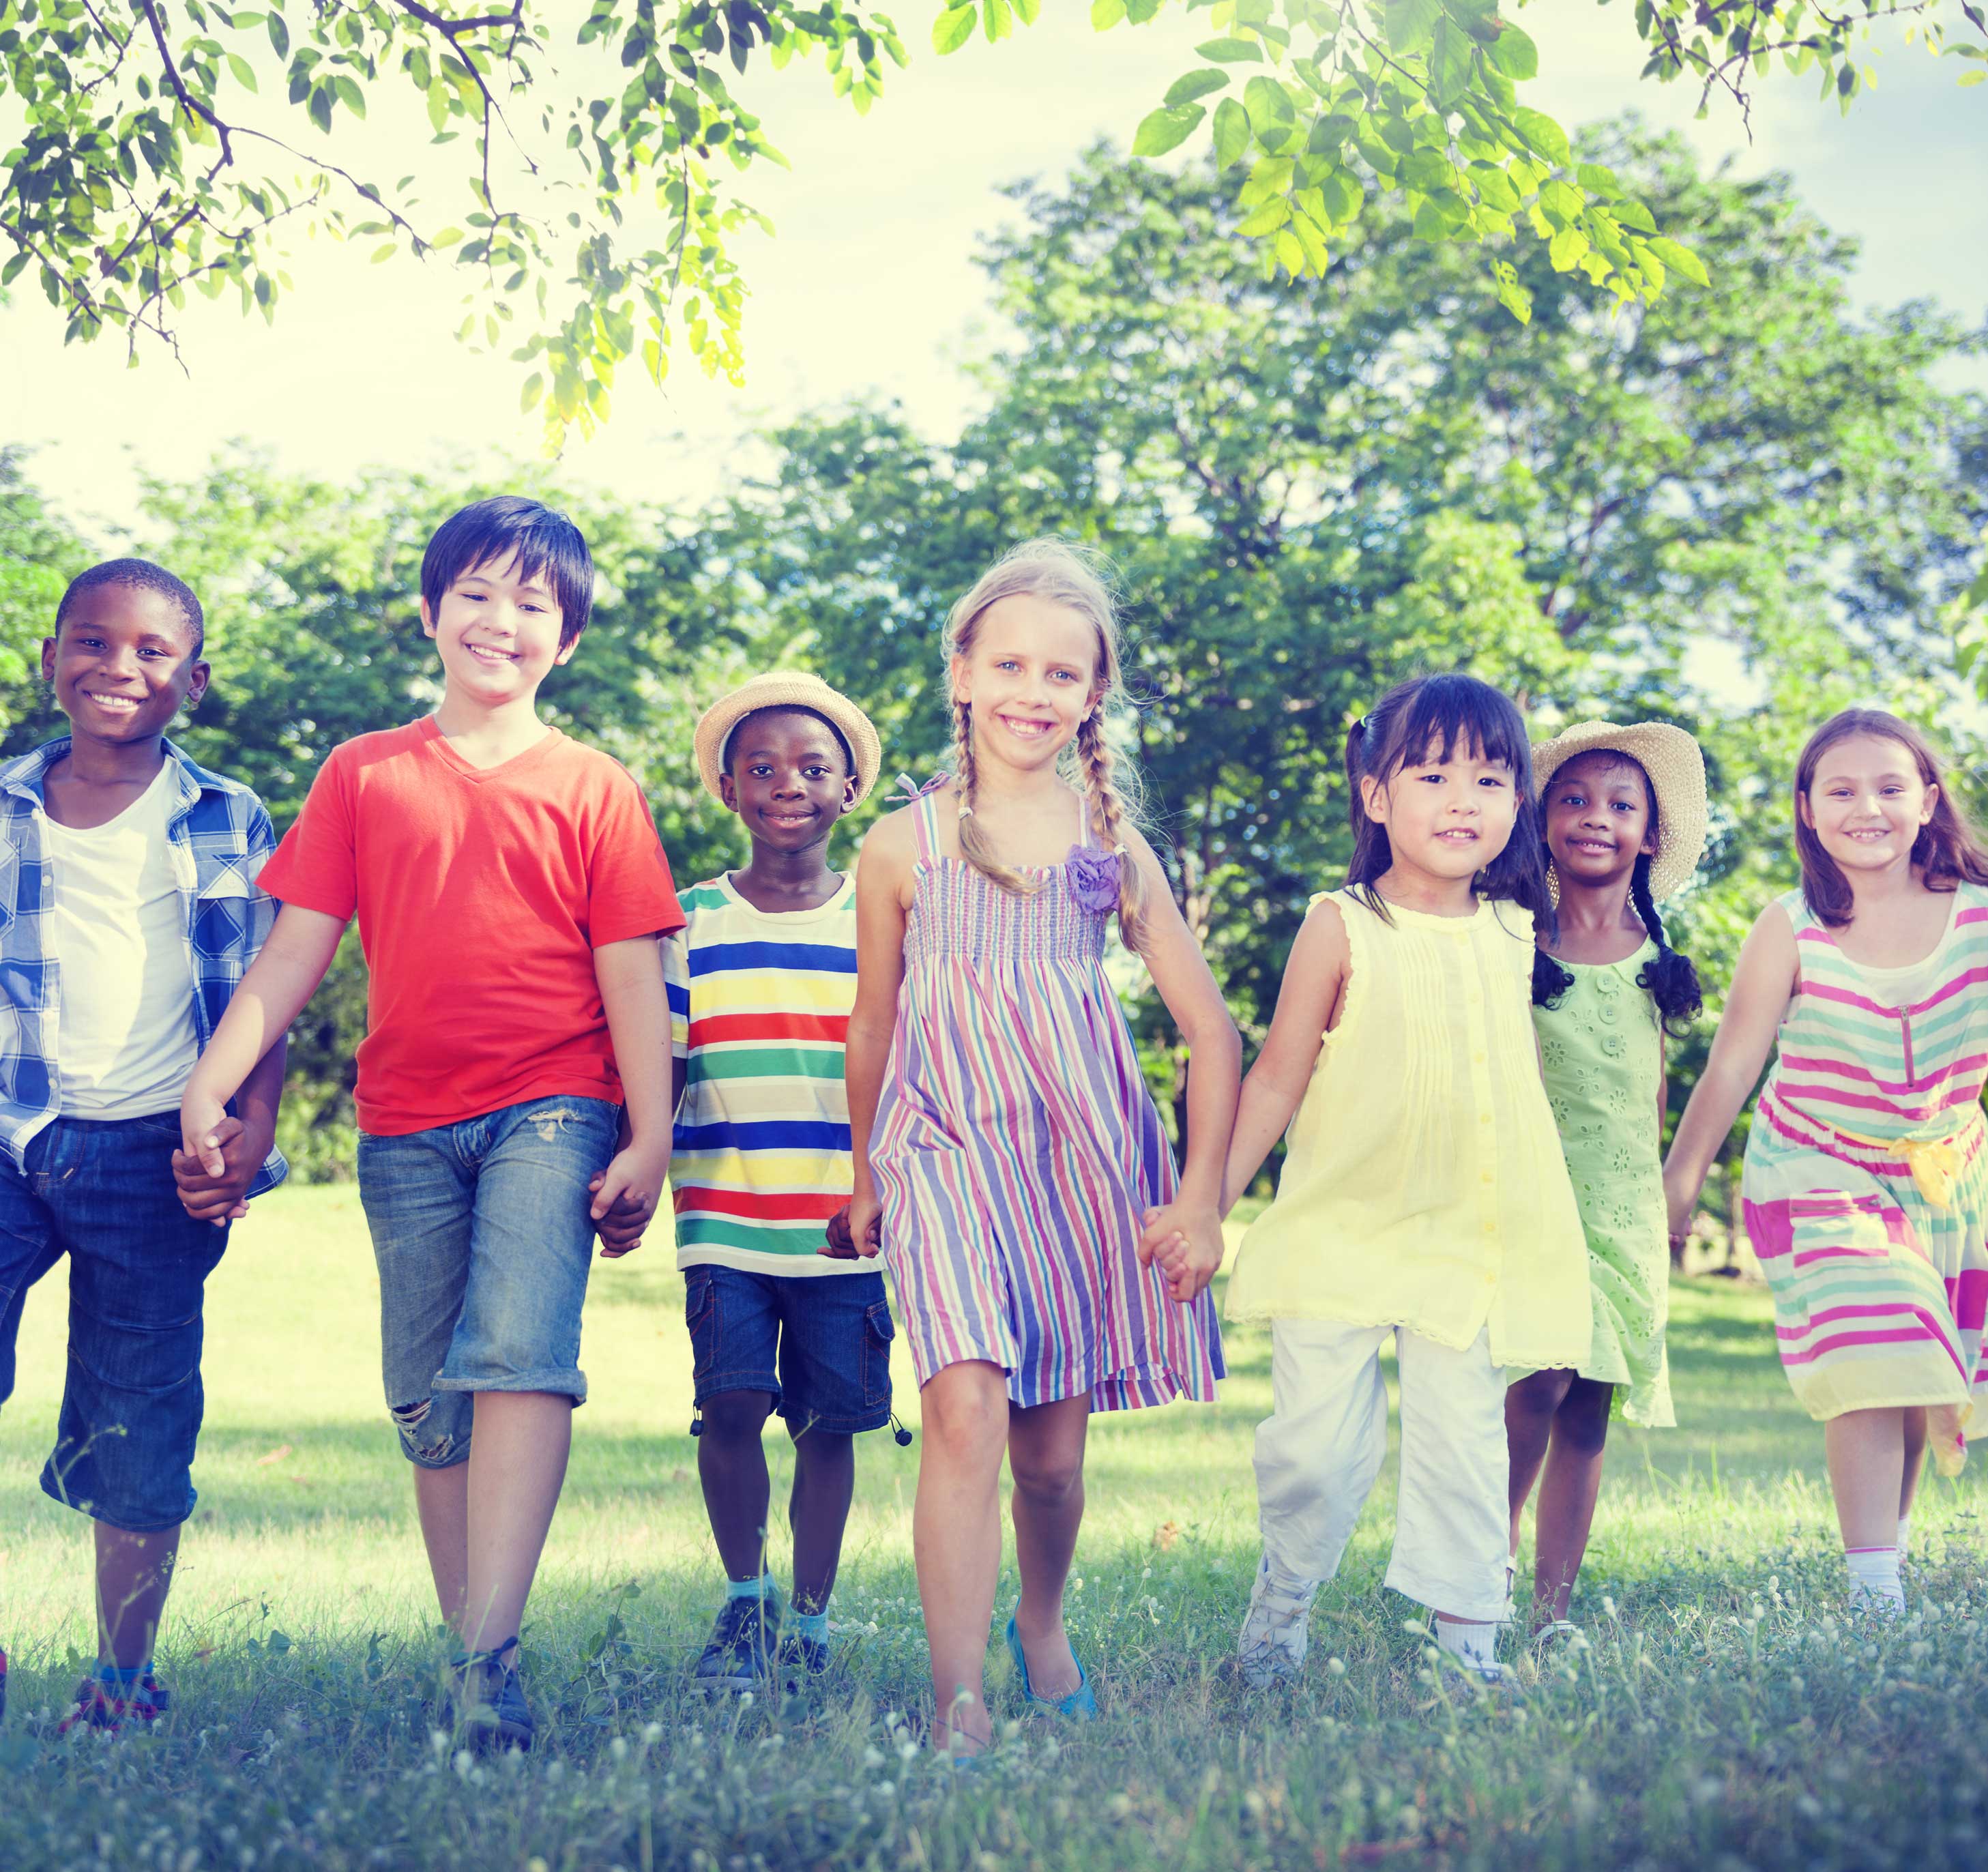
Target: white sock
{"x": 1873, "y": 1576}
{"x": 1468, "y": 1641}
{"x": 1905, "y": 1533}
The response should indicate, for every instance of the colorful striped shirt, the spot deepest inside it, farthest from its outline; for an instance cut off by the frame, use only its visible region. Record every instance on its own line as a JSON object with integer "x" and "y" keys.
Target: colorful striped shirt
{"x": 760, "y": 1004}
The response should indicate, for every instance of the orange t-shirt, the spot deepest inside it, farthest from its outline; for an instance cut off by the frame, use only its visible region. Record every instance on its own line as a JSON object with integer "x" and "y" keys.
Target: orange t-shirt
{"x": 481, "y": 896}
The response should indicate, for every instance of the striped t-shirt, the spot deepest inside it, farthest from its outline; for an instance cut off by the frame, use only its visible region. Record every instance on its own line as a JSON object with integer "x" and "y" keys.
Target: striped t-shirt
{"x": 759, "y": 1006}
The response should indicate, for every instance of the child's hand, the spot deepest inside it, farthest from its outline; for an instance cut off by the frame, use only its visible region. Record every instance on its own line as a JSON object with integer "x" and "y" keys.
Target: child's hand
{"x": 855, "y": 1231}
{"x": 216, "y": 1196}
{"x": 1678, "y": 1202}
{"x": 1185, "y": 1240}
{"x": 201, "y": 1117}
{"x": 625, "y": 1196}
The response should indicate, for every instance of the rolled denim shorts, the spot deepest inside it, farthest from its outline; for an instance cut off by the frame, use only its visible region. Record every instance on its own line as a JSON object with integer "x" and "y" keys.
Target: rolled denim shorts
{"x": 102, "y": 1192}
{"x": 818, "y": 1344}
{"x": 484, "y": 1236}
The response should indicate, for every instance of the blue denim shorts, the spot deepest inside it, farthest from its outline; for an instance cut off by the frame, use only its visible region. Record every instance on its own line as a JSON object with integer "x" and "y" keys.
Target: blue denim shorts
{"x": 484, "y": 1237}
{"x": 819, "y": 1345}
{"x": 103, "y": 1194}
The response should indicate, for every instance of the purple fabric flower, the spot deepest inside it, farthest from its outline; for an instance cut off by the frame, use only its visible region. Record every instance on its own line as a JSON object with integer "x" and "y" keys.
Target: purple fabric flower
{"x": 1093, "y": 877}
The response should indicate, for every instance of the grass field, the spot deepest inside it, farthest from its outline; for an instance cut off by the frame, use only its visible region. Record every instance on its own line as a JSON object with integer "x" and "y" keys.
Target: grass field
{"x": 1727, "y": 1712}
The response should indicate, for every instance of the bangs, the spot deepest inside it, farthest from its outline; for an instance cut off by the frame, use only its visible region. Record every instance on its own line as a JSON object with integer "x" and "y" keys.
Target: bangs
{"x": 1449, "y": 716}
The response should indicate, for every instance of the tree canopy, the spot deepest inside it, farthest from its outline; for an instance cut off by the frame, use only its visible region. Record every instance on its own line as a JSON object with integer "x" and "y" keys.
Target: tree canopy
{"x": 582, "y": 174}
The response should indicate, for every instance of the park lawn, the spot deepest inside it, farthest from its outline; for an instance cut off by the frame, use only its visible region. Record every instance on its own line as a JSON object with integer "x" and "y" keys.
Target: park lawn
{"x": 1726, "y": 1712}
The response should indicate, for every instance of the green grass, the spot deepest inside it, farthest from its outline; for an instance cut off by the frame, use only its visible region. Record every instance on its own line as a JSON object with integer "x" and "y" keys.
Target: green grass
{"x": 1727, "y": 1712}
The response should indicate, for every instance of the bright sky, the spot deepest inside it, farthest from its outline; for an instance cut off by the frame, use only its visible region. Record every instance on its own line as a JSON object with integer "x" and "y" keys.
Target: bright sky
{"x": 870, "y": 285}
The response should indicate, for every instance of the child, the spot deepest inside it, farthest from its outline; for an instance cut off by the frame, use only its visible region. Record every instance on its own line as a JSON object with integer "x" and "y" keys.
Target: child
{"x": 1866, "y": 1185}
{"x": 760, "y": 981}
{"x": 129, "y": 877}
{"x": 509, "y": 886}
{"x": 1424, "y": 1196}
{"x": 1005, "y": 1148}
{"x": 1624, "y": 812}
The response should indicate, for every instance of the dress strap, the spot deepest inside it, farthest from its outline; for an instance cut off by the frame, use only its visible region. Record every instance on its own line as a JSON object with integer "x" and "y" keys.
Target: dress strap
{"x": 924, "y": 826}
{"x": 1083, "y": 829}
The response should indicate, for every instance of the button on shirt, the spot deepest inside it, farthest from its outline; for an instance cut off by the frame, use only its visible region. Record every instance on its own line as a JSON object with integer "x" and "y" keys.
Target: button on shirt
{"x": 1424, "y": 1185}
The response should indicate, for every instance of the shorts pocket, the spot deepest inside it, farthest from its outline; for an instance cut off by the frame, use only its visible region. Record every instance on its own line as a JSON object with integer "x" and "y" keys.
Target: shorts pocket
{"x": 701, "y": 1316}
{"x": 878, "y": 1330}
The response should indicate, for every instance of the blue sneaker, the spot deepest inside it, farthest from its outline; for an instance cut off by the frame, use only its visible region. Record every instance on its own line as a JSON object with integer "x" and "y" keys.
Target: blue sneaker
{"x": 739, "y": 1655}
{"x": 1082, "y": 1702}
{"x": 488, "y": 1701}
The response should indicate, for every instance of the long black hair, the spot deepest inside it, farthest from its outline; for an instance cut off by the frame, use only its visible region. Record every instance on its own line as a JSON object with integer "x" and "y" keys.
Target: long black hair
{"x": 1425, "y": 719}
{"x": 1669, "y": 978}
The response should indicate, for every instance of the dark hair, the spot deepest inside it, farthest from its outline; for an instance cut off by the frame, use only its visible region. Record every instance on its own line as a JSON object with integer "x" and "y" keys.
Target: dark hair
{"x": 1669, "y": 979}
{"x": 509, "y": 526}
{"x": 140, "y": 575}
{"x": 1948, "y": 850}
{"x": 1430, "y": 715}
{"x": 783, "y": 708}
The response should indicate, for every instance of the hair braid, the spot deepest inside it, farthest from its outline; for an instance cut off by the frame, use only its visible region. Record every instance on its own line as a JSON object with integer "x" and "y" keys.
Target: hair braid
{"x": 1108, "y": 813}
{"x": 1670, "y": 980}
{"x": 975, "y": 846}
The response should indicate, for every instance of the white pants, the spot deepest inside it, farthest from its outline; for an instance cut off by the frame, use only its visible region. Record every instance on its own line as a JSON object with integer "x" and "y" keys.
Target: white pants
{"x": 1319, "y": 1451}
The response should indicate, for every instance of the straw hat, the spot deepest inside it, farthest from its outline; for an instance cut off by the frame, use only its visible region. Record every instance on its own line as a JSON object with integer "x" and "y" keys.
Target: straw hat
{"x": 785, "y": 689}
{"x": 1676, "y": 769}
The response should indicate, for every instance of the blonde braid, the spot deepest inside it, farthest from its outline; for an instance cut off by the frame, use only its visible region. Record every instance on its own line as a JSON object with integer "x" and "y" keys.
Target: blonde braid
{"x": 975, "y": 846}
{"x": 1109, "y": 817}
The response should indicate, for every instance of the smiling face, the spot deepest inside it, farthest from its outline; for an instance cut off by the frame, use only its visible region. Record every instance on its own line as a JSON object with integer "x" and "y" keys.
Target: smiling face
{"x": 787, "y": 778}
{"x": 497, "y": 632}
{"x": 1030, "y": 675}
{"x": 1448, "y": 818}
{"x": 122, "y": 662}
{"x": 1867, "y": 802}
{"x": 1598, "y": 818}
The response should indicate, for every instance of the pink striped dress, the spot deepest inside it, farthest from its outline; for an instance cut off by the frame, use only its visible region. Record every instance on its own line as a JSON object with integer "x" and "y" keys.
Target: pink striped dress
{"x": 1015, "y": 1150}
{"x": 1866, "y": 1183}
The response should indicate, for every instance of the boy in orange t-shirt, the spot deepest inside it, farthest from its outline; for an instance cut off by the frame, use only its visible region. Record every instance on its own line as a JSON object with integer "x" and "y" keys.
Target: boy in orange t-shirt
{"x": 509, "y": 886}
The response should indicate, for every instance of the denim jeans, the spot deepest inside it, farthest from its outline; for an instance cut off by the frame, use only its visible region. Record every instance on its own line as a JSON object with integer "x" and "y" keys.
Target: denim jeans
{"x": 484, "y": 1236}
{"x": 819, "y": 1345}
{"x": 103, "y": 1194}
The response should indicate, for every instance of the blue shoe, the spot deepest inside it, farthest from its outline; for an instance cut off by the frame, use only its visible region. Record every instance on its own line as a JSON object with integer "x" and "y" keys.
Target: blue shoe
{"x": 1082, "y": 1702}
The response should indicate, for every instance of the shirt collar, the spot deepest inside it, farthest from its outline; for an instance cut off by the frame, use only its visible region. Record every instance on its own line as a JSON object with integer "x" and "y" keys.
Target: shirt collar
{"x": 22, "y": 777}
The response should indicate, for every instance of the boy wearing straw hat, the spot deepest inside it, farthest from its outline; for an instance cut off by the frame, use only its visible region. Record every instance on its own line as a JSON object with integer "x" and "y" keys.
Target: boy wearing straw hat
{"x": 760, "y": 985}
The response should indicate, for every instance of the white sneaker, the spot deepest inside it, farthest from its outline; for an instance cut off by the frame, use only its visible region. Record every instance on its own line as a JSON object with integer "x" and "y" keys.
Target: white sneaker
{"x": 1275, "y": 1631}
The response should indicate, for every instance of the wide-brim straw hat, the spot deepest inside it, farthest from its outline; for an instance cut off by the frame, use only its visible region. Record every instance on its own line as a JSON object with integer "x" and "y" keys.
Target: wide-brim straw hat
{"x": 786, "y": 689}
{"x": 1676, "y": 768}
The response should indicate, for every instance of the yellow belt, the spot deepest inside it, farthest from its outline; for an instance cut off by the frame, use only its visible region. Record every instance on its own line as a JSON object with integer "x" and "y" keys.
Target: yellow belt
{"x": 1934, "y": 1162}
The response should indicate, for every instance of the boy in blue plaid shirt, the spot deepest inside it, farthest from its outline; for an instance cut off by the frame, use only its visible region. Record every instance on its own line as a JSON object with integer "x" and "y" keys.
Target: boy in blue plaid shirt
{"x": 129, "y": 911}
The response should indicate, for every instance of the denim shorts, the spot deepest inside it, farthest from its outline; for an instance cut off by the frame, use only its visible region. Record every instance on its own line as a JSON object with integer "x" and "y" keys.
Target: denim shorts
{"x": 820, "y": 1344}
{"x": 103, "y": 1194}
{"x": 484, "y": 1237}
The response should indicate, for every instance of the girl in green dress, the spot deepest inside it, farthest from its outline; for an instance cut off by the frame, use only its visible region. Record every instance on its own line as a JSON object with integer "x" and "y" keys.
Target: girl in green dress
{"x": 1624, "y": 814}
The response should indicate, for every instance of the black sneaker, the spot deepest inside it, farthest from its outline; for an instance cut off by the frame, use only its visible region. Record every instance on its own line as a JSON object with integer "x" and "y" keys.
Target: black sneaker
{"x": 802, "y": 1659}
{"x": 488, "y": 1701}
{"x": 738, "y": 1654}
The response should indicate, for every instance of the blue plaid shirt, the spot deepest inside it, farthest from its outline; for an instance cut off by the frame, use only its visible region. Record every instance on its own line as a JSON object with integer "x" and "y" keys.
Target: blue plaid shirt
{"x": 220, "y": 836}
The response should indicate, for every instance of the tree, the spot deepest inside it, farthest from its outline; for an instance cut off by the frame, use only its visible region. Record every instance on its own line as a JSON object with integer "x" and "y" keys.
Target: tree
{"x": 39, "y": 556}
{"x": 586, "y": 166}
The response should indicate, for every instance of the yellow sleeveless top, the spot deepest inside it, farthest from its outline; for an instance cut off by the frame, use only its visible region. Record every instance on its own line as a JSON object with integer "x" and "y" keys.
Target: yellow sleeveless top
{"x": 1424, "y": 1186}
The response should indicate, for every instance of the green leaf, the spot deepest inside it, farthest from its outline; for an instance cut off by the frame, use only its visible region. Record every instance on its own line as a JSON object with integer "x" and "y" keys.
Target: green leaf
{"x": 1543, "y": 134}
{"x": 1231, "y": 132}
{"x": 1164, "y": 130}
{"x": 953, "y": 28}
{"x": 245, "y": 72}
{"x": 1192, "y": 85}
{"x": 1232, "y": 51}
{"x": 998, "y": 18}
{"x": 1265, "y": 219}
{"x": 1344, "y": 196}
{"x": 1681, "y": 260}
{"x": 534, "y": 388}
{"x": 1410, "y": 24}
{"x": 279, "y": 35}
{"x": 1566, "y": 249}
{"x": 1105, "y": 13}
{"x": 1514, "y": 54}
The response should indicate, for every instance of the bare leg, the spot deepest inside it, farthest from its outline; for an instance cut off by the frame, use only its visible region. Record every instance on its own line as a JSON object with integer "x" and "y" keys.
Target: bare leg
{"x": 956, "y": 1540}
{"x": 1866, "y": 1450}
{"x": 134, "y": 1573}
{"x": 1046, "y": 1457}
{"x": 1916, "y": 1452}
{"x": 517, "y": 1464}
{"x": 818, "y": 1510}
{"x": 1567, "y": 1495}
{"x": 731, "y": 1465}
{"x": 441, "y": 1499}
{"x": 1530, "y": 1406}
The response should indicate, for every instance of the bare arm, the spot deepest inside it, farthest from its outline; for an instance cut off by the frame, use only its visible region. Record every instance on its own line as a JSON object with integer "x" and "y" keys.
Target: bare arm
{"x": 272, "y": 993}
{"x": 1763, "y": 979}
{"x": 631, "y": 977}
{"x": 1307, "y": 1005}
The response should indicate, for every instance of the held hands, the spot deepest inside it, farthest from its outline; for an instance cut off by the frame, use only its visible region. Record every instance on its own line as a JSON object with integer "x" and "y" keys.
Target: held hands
{"x": 625, "y": 1196}
{"x": 856, "y": 1230}
{"x": 1185, "y": 1241}
{"x": 1679, "y": 1199}
{"x": 216, "y": 1162}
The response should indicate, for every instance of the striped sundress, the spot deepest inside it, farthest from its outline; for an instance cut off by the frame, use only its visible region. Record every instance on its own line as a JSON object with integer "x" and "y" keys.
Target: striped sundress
{"x": 1866, "y": 1181}
{"x": 1015, "y": 1150}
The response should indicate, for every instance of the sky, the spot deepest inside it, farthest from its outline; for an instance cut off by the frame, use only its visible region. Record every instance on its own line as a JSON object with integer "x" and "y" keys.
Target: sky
{"x": 869, "y": 285}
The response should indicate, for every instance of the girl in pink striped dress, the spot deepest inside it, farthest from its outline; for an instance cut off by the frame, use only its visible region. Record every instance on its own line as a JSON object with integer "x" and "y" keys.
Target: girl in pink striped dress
{"x": 1007, "y": 1152}
{"x": 1866, "y": 1180}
